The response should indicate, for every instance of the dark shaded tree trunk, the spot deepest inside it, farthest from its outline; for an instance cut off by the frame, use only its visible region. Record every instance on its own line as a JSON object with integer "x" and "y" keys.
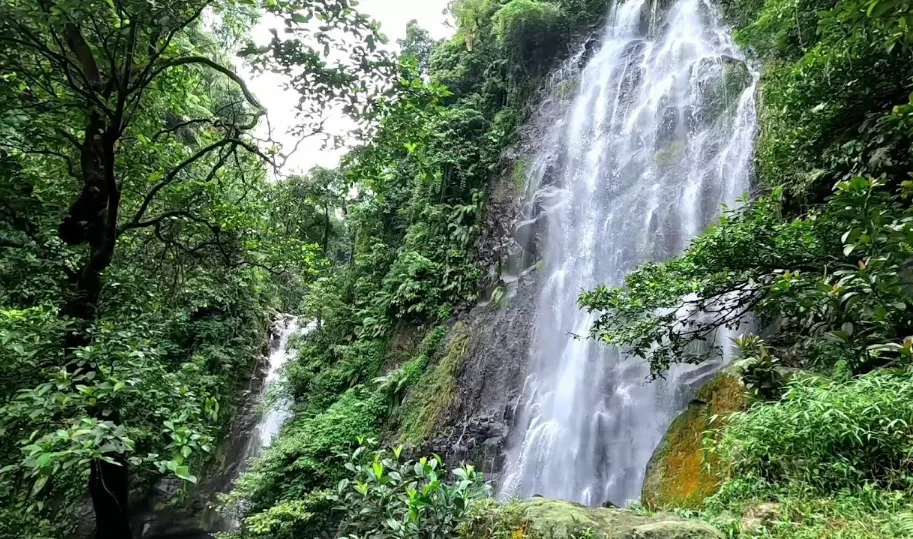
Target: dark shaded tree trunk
{"x": 109, "y": 486}
{"x": 92, "y": 219}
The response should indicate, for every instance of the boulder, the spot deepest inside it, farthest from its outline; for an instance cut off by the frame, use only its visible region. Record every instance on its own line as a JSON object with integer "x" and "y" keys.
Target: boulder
{"x": 541, "y": 518}
{"x": 676, "y": 474}
{"x": 759, "y": 517}
{"x": 720, "y": 84}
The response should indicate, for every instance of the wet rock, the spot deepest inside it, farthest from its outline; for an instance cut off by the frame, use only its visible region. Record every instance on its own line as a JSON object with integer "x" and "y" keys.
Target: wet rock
{"x": 531, "y": 232}
{"x": 759, "y": 517}
{"x": 667, "y": 130}
{"x": 548, "y": 199}
{"x": 720, "y": 84}
{"x": 677, "y": 474}
{"x": 475, "y": 427}
{"x": 551, "y": 176}
{"x": 651, "y": 16}
{"x": 540, "y": 517}
{"x": 590, "y": 48}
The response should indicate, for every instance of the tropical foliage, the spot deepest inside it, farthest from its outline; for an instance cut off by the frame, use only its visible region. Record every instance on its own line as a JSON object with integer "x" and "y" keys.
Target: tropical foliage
{"x": 149, "y": 231}
{"x": 140, "y": 258}
{"x": 420, "y": 186}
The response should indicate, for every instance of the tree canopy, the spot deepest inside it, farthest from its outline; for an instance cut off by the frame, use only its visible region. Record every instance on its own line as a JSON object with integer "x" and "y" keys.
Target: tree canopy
{"x": 140, "y": 254}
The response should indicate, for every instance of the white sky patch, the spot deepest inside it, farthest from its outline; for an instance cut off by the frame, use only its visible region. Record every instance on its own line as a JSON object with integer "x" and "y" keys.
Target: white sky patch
{"x": 393, "y": 15}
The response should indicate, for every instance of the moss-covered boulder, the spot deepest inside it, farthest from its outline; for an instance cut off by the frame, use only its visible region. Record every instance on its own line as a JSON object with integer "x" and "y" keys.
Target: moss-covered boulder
{"x": 678, "y": 475}
{"x": 540, "y": 518}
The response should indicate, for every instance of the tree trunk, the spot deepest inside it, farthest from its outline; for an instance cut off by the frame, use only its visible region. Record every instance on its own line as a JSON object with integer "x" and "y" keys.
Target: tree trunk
{"x": 326, "y": 229}
{"x": 92, "y": 219}
{"x": 109, "y": 486}
{"x": 108, "y": 483}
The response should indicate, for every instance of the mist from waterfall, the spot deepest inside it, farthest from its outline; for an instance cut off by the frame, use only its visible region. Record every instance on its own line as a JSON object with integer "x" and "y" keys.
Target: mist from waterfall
{"x": 650, "y": 149}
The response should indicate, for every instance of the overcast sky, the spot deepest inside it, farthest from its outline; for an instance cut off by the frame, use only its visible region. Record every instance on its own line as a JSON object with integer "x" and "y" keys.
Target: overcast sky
{"x": 393, "y": 16}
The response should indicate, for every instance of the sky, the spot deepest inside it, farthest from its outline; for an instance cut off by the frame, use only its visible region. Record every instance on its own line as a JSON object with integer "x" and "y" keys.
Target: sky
{"x": 393, "y": 16}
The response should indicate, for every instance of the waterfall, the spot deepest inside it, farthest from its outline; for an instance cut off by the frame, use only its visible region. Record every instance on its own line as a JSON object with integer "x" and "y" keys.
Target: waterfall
{"x": 658, "y": 136}
{"x": 275, "y": 415}
{"x": 254, "y": 430}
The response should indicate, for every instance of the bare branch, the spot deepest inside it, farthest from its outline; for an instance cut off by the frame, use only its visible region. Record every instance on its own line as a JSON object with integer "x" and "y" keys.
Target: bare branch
{"x": 144, "y": 79}
{"x": 172, "y": 129}
{"x": 152, "y": 222}
{"x": 80, "y": 48}
{"x": 69, "y": 162}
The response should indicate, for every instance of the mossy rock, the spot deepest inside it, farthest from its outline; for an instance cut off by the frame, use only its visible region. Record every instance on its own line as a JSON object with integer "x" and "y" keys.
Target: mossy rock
{"x": 540, "y": 518}
{"x": 435, "y": 393}
{"x": 678, "y": 475}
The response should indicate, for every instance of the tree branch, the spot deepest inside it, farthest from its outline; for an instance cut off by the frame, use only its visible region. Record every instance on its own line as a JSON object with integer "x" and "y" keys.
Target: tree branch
{"x": 171, "y": 176}
{"x": 202, "y": 60}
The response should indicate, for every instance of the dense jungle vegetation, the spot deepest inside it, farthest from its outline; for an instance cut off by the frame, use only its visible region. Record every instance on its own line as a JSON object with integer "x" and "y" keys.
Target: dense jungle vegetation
{"x": 148, "y": 234}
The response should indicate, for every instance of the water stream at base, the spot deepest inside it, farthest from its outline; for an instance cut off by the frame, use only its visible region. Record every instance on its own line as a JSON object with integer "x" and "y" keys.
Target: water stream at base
{"x": 651, "y": 148}
{"x": 253, "y": 432}
{"x": 277, "y": 412}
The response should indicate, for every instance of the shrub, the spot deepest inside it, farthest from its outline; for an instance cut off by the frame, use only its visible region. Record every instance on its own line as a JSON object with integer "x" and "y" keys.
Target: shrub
{"x": 388, "y": 497}
{"x": 829, "y": 435}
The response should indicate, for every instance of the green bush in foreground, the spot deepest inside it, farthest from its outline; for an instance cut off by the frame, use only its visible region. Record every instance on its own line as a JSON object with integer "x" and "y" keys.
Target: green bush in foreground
{"x": 383, "y": 496}
{"x": 829, "y": 434}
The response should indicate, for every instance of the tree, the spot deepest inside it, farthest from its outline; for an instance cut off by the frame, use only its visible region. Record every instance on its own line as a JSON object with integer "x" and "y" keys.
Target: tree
{"x": 93, "y": 87}
{"x": 418, "y": 45}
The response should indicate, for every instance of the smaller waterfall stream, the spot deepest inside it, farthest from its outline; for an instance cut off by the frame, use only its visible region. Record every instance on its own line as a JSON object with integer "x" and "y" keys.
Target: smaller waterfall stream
{"x": 278, "y": 412}
{"x": 270, "y": 421}
{"x": 255, "y": 429}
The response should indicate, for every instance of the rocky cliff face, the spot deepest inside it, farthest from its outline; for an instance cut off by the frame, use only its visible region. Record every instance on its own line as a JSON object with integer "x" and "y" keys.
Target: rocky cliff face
{"x": 474, "y": 425}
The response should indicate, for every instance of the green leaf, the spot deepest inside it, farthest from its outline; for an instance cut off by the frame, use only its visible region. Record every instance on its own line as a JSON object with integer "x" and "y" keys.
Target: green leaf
{"x": 183, "y": 472}
{"x": 39, "y": 484}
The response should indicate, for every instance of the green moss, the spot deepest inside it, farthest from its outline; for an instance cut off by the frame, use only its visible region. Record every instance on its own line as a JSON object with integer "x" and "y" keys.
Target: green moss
{"x": 435, "y": 391}
{"x": 540, "y": 518}
{"x": 680, "y": 474}
{"x": 567, "y": 89}
{"x": 519, "y": 173}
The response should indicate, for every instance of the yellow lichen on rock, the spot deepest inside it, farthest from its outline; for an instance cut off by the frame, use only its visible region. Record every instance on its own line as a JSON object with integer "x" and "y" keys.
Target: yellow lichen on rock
{"x": 680, "y": 474}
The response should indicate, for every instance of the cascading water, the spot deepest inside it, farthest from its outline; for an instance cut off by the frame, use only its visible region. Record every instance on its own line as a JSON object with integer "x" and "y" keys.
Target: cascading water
{"x": 270, "y": 422}
{"x": 250, "y": 435}
{"x": 658, "y": 137}
{"x": 278, "y": 412}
